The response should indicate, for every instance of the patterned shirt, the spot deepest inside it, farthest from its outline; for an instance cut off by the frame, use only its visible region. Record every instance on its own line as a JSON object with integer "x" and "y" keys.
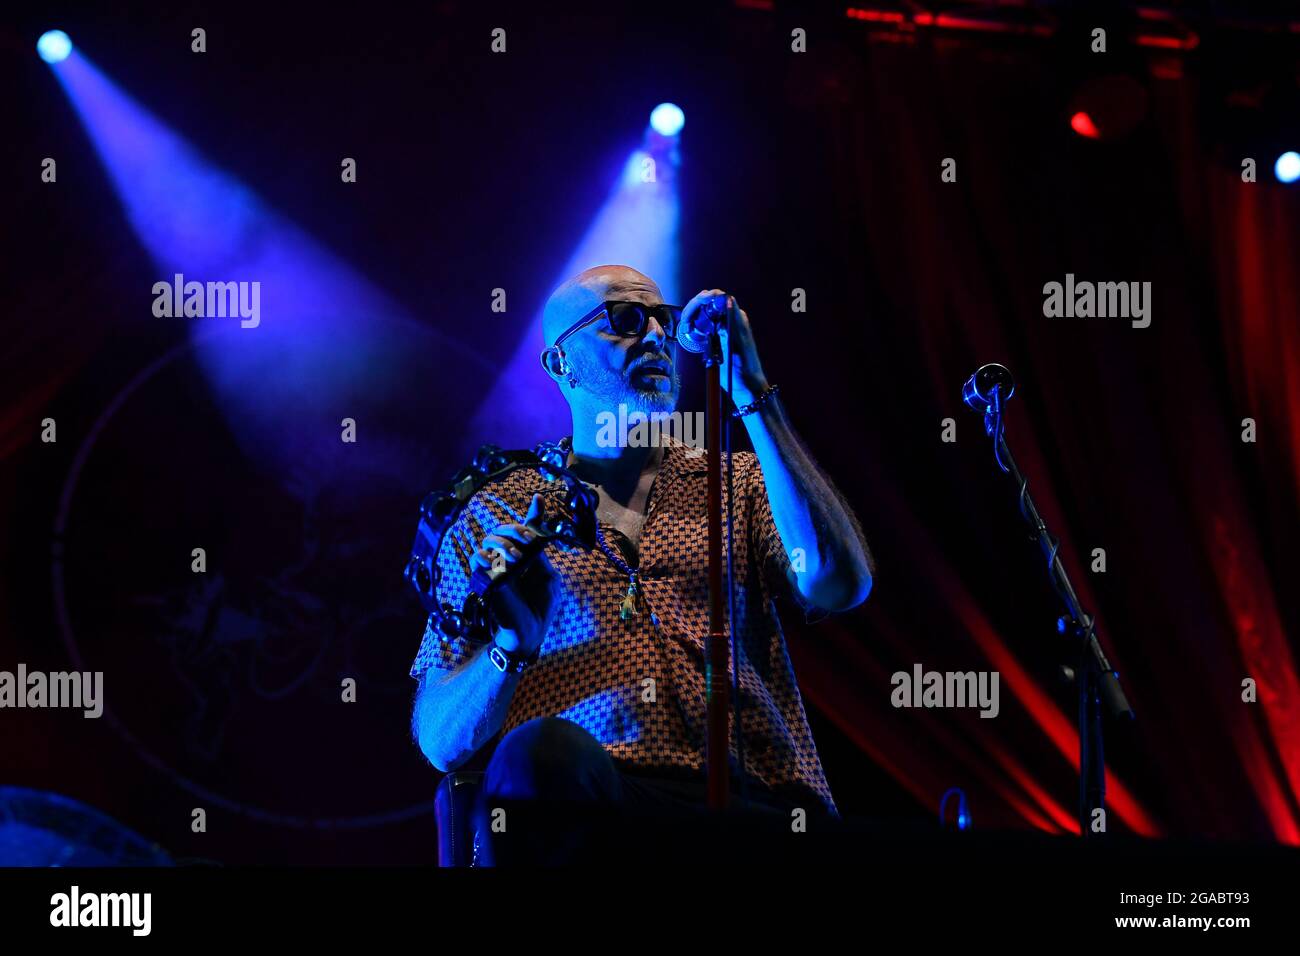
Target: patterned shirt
{"x": 637, "y": 685}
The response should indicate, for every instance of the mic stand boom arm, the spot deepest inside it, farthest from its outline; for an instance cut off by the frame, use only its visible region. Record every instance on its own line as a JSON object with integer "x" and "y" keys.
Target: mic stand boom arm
{"x": 1097, "y": 682}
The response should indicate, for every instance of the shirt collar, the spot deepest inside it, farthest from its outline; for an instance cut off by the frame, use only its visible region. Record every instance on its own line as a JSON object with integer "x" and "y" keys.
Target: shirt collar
{"x": 679, "y": 457}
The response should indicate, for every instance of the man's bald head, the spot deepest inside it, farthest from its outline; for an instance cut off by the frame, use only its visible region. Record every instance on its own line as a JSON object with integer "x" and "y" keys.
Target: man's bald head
{"x": 579, "y": 295}
{"x": 605, "y": 369}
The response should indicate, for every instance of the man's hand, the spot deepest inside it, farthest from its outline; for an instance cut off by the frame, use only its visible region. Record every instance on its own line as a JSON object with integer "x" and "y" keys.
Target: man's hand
{"x": 811, "y": 517}
{"x": 524, "y": 606}
{"x": 746, "y": 369}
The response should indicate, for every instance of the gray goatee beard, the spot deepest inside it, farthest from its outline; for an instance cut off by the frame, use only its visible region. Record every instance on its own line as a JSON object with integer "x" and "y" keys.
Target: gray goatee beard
{"x": 651, "y": 399}
{"x": 611, "y": 389}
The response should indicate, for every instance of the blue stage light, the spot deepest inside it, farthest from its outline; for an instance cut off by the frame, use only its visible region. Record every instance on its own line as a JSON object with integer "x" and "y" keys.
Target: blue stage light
{"x": 963, "y": 811}
{"x": 322, "y": 326}
{"x": 1287, "y": 167}
{"x": 667, "y": 119}
{"x": 637, "y": 226}
{"x": 53, "y": 46}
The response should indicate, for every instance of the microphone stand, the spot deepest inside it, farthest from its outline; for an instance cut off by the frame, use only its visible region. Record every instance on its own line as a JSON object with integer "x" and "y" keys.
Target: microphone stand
{"x": 1097, "y": 682}
{"x": 716, "y": 645}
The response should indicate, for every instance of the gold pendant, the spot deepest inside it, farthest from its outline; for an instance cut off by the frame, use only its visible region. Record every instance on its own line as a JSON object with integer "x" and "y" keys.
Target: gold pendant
{"x": 627, "y": 609}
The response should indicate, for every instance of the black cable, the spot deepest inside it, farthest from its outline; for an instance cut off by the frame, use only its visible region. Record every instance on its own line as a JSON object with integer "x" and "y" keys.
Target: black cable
{"x": 1022, "y": 491}
{"x": 996, "y": 431}
{"x": 731, "y": 592}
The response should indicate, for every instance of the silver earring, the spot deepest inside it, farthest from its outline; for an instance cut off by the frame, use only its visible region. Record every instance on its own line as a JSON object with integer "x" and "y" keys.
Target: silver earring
{"x": 565, "y": 370}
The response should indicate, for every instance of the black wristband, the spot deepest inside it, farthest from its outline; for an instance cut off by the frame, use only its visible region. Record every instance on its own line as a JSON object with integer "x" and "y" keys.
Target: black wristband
{"x": 511, "y": 662}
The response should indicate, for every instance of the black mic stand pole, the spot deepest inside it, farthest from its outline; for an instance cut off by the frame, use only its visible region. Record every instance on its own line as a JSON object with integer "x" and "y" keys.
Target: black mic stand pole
{"x": 1096, "y": 680}
{"x": 716, "y": 649}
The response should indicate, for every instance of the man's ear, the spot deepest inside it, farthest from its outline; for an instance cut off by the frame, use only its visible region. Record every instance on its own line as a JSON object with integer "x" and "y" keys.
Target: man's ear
{"x": 554, "y": 363}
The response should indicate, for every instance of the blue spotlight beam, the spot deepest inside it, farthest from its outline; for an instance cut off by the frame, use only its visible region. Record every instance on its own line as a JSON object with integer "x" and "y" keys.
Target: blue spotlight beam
{"x": 328, "y": 344}
{"x": 637, "y": 226}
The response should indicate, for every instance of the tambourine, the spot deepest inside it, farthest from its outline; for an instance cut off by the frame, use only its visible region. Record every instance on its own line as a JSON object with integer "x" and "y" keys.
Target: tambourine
{"x": 574, "y": 525}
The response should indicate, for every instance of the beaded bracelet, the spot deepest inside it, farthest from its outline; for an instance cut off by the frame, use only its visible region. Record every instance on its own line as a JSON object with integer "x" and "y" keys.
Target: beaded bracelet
{"x": 756, "y": 403}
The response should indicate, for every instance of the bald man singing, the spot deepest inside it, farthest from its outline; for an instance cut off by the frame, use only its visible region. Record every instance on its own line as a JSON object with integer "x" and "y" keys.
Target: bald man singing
{"x": 596, "y": 675}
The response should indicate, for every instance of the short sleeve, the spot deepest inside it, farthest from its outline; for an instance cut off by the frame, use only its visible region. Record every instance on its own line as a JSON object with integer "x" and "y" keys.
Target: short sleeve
{"x": 437, "y": 650}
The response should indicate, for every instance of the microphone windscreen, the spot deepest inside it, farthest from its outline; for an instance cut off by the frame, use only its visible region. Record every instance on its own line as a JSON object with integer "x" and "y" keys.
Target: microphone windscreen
{"x": 694, "y": 335}
{"x": 978, "y": 390}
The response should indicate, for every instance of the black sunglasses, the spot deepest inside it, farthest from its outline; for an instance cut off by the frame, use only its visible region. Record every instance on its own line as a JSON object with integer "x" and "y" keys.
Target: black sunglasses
{"x": 629, "y": 318}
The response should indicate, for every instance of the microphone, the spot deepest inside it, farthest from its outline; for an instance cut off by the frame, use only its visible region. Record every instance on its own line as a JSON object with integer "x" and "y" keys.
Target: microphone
{"x": 980, "y": 387}
{"x": 709, "y": 317}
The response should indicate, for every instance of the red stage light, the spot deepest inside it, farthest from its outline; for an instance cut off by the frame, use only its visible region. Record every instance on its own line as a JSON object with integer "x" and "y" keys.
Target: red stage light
{"x": 1082, "y": 124}
{"x": 875, "y": 16}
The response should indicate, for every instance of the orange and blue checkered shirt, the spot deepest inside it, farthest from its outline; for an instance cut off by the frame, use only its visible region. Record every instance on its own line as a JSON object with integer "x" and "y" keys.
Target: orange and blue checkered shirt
{"x": 637, "y": 684}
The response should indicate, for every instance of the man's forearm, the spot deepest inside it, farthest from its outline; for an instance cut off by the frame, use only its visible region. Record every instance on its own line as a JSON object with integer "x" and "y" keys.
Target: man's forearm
{"x": 810, "y": 515}
{"x": 456, "y": 713}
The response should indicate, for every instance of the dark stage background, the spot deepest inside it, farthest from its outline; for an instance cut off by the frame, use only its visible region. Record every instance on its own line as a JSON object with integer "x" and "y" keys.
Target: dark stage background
{"x": 818, "y": 171}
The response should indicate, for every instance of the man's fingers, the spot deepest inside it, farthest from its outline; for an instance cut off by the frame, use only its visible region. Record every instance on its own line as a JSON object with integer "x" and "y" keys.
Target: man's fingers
{"x": 504, "y": 546}
{"x": 506, "y": 540}
{"x": 485, "y": 557}
{"x": 514, "y": 532}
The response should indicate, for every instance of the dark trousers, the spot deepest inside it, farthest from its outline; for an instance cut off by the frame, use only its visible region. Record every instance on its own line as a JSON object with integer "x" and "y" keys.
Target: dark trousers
{"x": 551, "y": 786}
